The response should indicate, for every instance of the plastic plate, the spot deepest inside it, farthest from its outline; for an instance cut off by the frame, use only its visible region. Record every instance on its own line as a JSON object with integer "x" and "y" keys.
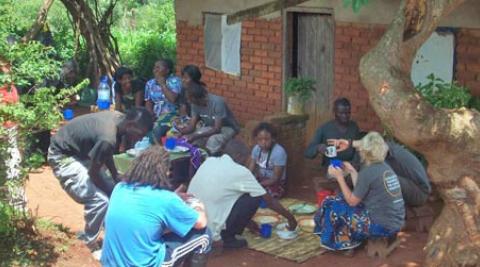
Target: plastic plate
{"x": 283, "y": 232}
{"x": 306, "y": 224}
{"x": 270, "y": 219}
{"x": 178, "y": 149}
{"x": 132, "y": 152}
{"x": 302, "y": 208}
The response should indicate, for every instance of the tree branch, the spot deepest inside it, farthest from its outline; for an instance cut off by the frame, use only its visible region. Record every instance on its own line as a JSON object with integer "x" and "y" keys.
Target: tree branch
{"x": 385, "y": 72}
{"x": 261, "y": 10}
{"x": 39, "y": 22}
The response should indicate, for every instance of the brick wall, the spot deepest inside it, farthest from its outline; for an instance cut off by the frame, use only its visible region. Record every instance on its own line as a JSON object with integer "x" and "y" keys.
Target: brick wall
{"x": 257, "y": 91}
{"x": 467, "y": 70}
{"x": 352, "y": 41}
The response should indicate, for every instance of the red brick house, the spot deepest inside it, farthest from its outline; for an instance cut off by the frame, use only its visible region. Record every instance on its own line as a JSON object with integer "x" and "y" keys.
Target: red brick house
{"x": 320, "y": 39}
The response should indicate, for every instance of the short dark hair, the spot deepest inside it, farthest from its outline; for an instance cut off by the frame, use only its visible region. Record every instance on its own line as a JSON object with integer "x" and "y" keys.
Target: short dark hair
{"x": 341, "y": 101}
{"x": 194, "y": 72}
{"x": 122, "y": 71}
{"x": 195, "y": 90}
{"x": 168, "y": 63}
{"x": 141, "y": 116}
{"x": 264, "y": 126}
{"x": 237, "y": 150}
{"x": 150, "y": 168}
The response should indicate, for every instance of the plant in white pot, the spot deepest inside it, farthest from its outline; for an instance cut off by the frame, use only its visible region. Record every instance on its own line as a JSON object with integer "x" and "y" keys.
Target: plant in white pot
{"x": 298, "y": 90}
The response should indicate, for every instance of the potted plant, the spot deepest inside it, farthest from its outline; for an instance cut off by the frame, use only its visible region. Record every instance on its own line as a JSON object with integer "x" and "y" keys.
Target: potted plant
{"x": 298, "y": 90}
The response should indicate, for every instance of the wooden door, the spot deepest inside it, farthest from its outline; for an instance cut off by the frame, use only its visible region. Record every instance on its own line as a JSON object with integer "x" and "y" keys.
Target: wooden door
{"x": 314, "y": 59}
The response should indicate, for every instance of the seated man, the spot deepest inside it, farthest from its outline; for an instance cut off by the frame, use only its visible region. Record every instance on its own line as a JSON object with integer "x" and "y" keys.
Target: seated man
{"x": 341, "y": 127}
{"x": 219, "y": 123}
{"x": 81, "y": 148}
{"x": 410, "y": 171}
{"x": 231, "y": 194}
{"x": 149, "y": 225}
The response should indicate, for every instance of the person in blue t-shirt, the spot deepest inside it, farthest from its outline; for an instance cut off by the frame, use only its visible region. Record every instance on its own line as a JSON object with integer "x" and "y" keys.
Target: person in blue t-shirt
{"x": 149, "y": 225}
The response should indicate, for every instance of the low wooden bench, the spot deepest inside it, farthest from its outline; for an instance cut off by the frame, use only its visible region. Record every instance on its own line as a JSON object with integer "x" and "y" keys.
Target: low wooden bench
{"x": 381, "y": 247}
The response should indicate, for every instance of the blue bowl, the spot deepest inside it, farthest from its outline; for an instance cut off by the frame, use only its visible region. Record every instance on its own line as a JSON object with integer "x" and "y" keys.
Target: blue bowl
{"x": 68, "y": 114}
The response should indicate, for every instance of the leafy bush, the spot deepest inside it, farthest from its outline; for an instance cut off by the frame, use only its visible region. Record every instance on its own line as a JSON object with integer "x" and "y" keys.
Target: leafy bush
{"x": 445, "y": 95}
{"x": 146, "y": 33}
{"x": 140, "y": 50}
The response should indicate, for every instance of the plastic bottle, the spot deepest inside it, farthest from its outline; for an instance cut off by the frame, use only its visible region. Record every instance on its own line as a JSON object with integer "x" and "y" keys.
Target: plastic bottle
{"x": 103, "y": 94}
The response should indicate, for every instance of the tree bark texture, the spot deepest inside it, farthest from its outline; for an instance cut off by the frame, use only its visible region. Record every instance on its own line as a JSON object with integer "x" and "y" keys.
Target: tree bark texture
{"x": 448, "y": 138}
{"x": 95, "y": 30}
{"x": 39, "y": 22}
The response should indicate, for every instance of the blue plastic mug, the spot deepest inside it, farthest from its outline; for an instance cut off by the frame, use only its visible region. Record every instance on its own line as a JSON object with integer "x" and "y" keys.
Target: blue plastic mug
{"x": 68, "y": 114}
{"x": 266, "y": 230}
{"x": 171, "y": 143}
{"x": 336, "y": 163}
{"x": 263, "y": 204}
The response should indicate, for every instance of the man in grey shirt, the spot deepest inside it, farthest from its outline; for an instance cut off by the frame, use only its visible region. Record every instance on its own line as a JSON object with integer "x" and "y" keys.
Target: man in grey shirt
{"x": 411, "y": 174}
{"x": 341, "y": 127}
{"x": 219, "y": 124}
{"x": 80, "y": 149}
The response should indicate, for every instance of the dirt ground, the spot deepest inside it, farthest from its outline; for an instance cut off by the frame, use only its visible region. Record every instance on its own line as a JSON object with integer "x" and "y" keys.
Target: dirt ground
{"x": 48, "y": 200}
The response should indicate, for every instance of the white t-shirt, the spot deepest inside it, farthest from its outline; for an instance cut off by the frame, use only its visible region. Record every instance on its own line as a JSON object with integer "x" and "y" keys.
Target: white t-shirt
{"x": 218, "y": 183}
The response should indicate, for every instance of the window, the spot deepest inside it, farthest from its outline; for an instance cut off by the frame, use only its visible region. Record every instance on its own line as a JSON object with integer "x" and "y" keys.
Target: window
{"x": 222, "y": 44}
{"x": 435, "y": 56}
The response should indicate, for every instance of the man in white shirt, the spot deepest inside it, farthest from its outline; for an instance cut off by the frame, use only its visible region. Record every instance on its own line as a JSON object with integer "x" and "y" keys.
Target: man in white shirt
{"x": 231, "y": 194}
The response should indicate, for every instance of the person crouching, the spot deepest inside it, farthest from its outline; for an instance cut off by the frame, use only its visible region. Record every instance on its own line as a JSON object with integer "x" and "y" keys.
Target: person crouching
{"x": 149, "y": 225}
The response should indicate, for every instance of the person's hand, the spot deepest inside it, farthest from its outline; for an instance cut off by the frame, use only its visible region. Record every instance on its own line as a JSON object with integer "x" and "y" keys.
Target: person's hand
{"x": 253, "y": 227}
{"x": 181, "y": 192}
{"x": 335, "y": 172}
{"x": 160, "y": 79}
{"x": 321, "y": 148}
{"x": 292, "y": 224}
{"x": 340, "y": 144}
{"x": 347, "y": 166}
{"x": 191, "y": 138}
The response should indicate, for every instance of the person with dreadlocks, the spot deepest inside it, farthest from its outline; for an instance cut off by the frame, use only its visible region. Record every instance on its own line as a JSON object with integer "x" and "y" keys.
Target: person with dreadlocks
{"x": 269, "y": 160}
{"x": 147, "y": 224}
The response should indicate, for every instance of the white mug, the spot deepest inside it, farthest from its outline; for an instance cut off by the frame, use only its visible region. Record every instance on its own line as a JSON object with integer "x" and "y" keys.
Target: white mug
{"x": 331, "y": 151}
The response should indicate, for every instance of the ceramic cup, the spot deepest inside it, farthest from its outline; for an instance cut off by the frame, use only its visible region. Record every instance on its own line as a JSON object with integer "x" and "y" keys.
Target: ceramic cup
{"x": 331, "y": 151}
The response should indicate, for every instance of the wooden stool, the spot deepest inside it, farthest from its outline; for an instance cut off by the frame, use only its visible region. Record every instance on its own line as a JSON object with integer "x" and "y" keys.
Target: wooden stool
{"x": 381, "y": 247}
{"x": 420, "y": 218}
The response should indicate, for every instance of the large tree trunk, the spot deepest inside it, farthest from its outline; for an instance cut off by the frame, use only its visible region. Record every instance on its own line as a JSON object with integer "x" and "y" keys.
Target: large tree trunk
{"x": 449, "y": 139}
{"x": 95, "y": 30}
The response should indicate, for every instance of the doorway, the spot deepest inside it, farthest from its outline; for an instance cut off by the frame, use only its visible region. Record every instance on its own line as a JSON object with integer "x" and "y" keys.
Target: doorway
{"x": 310, "y": 52}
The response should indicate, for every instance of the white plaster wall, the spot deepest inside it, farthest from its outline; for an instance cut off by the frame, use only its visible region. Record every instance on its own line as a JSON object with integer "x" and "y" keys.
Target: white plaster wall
{"x": 377, "y": 11}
